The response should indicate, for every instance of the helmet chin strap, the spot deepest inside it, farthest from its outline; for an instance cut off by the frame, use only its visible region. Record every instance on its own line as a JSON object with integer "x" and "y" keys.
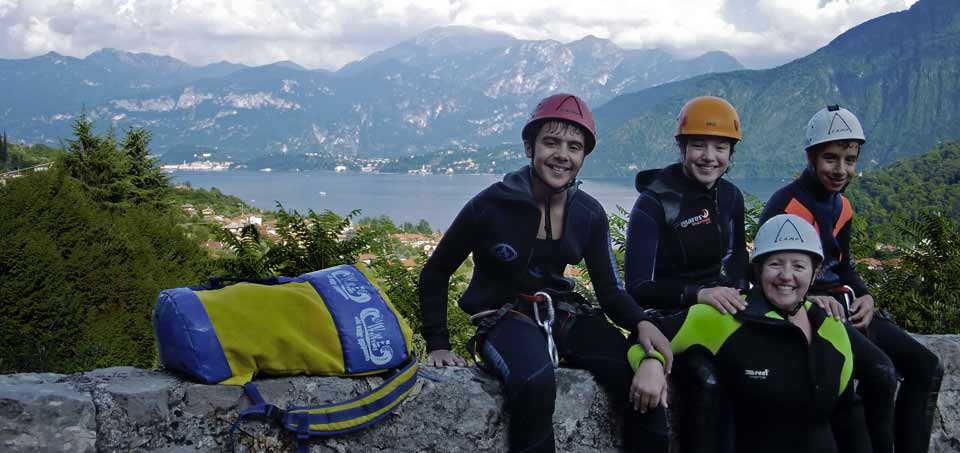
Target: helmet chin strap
{"x": 796, "y": 307}
{"x": 547, "y": 222}
{"x": 793, "y": 311}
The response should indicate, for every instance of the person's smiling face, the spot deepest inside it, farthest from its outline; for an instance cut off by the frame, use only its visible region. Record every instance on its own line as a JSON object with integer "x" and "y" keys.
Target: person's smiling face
{"x": 558, "y": 153}
{"x": 836, "y": 163}
{"x": 785, "y": 278}
{"x": 705, "y": 158}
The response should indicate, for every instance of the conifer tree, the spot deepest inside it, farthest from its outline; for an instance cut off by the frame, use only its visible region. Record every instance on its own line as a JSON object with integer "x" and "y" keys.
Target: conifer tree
{"x": 97, "y": 163}
{"x": 148, "y": 179}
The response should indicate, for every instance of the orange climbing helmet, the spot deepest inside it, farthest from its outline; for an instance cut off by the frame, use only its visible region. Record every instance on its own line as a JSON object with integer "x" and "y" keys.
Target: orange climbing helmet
{"x": 709, "y": 115}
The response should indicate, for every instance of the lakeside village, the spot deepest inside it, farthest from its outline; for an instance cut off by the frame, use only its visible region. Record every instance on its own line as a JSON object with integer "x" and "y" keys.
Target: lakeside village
{"x": 268, "y": 228}
{"x": 347, "y": 164}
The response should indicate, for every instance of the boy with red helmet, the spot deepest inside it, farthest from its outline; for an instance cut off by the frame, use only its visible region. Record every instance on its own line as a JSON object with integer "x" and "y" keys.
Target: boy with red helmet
{"x": 522, "y": 233}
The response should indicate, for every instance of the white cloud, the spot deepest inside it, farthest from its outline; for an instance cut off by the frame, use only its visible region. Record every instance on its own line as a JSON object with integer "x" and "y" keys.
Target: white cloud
{"x": 330, "y": 33}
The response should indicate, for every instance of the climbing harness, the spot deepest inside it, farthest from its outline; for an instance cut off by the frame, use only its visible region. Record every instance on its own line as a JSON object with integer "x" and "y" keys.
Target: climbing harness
{"x": 569, "y": 311}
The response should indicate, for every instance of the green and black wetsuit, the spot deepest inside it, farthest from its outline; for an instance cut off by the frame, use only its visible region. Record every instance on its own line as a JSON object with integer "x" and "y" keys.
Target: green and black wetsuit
{"x": 785, "y": 392}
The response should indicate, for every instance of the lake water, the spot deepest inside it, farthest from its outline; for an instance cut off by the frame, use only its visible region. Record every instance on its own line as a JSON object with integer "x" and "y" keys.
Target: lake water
{"x": 402, "y": 197}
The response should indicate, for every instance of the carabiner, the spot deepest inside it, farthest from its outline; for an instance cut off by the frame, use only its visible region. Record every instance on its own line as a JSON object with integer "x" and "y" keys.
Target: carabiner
{"x": 547, "y": 325}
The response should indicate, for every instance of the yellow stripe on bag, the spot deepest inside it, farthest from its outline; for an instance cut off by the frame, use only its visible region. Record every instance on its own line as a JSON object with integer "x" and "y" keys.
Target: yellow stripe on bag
{"x": 336, "y": 426}
{"x": 291, "y": 318}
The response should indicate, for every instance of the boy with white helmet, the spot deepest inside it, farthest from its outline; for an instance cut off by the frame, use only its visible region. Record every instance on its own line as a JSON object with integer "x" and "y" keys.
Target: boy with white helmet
{"x": 833, "y": 141}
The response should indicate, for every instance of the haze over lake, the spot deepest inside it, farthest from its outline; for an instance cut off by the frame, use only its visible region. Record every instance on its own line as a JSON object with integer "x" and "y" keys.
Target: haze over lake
{"x": 402, "y": 197}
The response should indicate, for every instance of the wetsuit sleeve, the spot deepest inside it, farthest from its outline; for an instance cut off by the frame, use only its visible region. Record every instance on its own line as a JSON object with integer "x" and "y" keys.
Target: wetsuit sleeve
{"x": 601, "y": 264}
{"x": 848, "y": 420}
{"x": 643, "y": 240}
{"x": 846, "y": 269}
{"x": 735, "y": 267}
{"x": 849, "y": 424}
{"x": 700, "y": 325}
{"x": 453, "y": 248}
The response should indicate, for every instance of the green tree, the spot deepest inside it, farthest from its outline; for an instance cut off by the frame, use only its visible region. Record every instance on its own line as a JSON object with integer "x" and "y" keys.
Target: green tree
{"x": 314, "y": 242}
{"x": 98, "y": 164}
{"x": 250, "y": 253}
{"x": 150, "y": 183}
{"x": 78, "y": 281}
{"x": 923, "y": 292}
{"x": 424, "y": 228}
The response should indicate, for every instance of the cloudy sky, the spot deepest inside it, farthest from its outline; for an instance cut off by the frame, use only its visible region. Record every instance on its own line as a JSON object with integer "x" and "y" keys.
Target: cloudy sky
{"x": 330, "y": 33}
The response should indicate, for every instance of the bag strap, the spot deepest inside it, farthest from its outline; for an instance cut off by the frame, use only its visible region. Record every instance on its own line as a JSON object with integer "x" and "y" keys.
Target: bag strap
{"x": 335, "y": 418}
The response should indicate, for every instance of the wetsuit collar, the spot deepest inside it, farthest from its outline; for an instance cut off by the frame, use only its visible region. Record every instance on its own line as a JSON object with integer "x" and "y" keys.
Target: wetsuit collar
{"x": 518, "y": 185}
{"x": 675, "y": 174}
{"x": 760, "y": 309}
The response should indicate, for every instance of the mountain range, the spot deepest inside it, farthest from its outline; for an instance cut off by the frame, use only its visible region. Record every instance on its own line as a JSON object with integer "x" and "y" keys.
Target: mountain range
{"x": 899, "y": 73}
{"x": 448, "y": 87}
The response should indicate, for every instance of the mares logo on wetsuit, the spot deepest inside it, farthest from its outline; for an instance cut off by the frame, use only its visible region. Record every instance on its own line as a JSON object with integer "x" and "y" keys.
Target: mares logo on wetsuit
{"x": 700, "y": 219}
{"x": 504, "y": 252}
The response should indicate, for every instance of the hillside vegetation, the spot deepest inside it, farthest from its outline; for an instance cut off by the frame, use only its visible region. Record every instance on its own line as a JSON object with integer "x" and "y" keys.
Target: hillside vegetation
{"x": 929, "y": 183}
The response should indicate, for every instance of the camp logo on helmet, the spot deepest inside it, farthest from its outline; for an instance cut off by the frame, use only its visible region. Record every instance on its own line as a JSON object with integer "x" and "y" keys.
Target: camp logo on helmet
{"x": 349, "y": 286}
{"x": 757, "y": 374}
{"x": 838, "y": 124}
{"x": 504, "y": 252}
{"x": 788, "y": 234}
{"x": 371, "y": 336}
{"x": 700, "y": 219}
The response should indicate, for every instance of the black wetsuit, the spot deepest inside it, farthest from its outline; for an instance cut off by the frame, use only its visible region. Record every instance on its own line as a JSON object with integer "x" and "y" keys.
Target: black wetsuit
{"x": 787, "y": 395}
{"x": 499, "y": 227}
{"x": 683, "y": 237}
{"x": 910, "y": 424}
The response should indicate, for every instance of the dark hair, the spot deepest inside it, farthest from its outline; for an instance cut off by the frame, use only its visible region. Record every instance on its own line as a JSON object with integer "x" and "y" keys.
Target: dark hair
{"x": 848, "y": 143}
{"x": 683, "y": 139}
{"x": 556, "y": 125}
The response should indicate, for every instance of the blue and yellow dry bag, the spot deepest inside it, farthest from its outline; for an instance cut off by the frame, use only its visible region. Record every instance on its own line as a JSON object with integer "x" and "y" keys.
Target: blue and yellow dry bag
{"x": 332, "y": 322}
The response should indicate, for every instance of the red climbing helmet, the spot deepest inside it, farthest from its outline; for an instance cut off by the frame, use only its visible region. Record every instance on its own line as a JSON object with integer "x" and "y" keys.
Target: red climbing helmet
{"x": 567, "y": 107}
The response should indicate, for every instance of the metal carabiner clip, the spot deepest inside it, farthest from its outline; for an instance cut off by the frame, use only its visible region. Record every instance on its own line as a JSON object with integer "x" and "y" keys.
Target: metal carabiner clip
{"x": 848, "y": 297}
{"x": 546, "y": 325}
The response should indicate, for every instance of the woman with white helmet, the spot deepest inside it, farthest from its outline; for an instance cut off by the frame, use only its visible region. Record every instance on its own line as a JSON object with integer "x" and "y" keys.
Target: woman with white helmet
{"x": 833, "y": 141}
{"x": 786, "y": 364}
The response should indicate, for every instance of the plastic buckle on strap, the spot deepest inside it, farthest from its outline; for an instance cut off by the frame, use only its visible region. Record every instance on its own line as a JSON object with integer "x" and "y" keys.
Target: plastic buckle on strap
{"x": 547, "y": 324}
{"x": 273, "y": 412}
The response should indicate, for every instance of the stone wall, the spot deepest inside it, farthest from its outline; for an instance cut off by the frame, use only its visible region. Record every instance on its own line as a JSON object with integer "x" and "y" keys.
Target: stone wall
{"x": 128, "y": 409}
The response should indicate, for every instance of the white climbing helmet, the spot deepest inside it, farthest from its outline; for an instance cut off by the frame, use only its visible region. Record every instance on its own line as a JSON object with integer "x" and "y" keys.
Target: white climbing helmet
{"x": 833, "y": 123}
{"x": 786, "y": 233}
